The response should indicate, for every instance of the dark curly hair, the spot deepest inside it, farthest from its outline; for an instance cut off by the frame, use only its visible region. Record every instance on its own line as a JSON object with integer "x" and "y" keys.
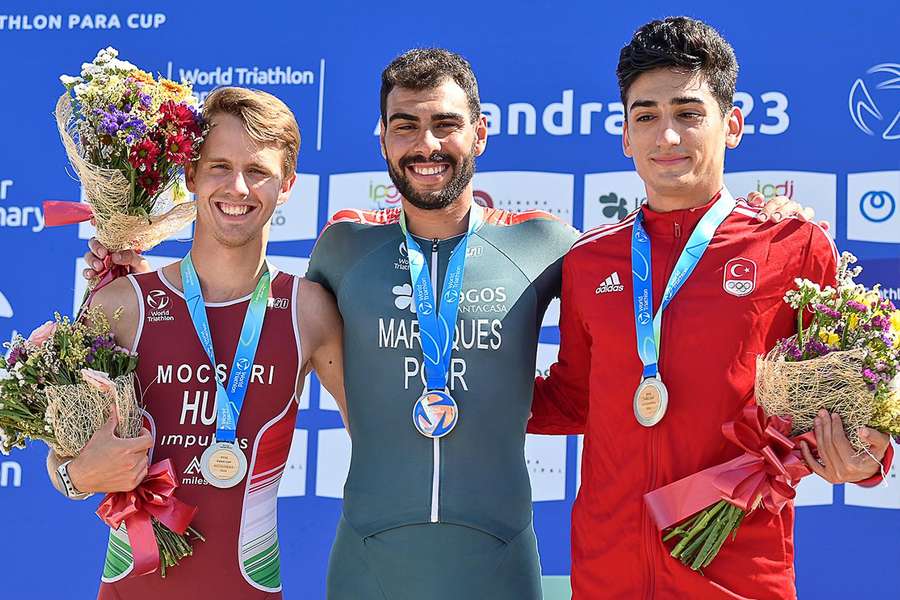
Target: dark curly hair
{"x": 683, "y": 44}
{"x": 426, "y": 69}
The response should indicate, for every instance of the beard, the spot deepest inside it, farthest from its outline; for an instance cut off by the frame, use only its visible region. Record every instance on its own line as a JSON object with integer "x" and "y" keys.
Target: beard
{"x": 462, "y": 173}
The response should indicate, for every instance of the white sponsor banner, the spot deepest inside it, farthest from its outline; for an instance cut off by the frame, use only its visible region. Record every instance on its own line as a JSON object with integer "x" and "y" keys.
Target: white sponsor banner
{"x": 518, "y": 191}
{"x": 546, "y": 356}
{"x": 326, "y": 400}
{"x": 873, "y": 206}
{"x": 156, "y": 262}
{"x": 333, "y": 463}
{"x": 295, "y": 265}
{"x": 293, "y": 481}
{"x": 551, "y": 317}
{"x": 884, "y": 495}
{"x": 6, "y": 309}
{"x": 578, "y": 473}
{"x": 369, "y": 190}
{"x": 609, "y": 197}
{"x": 545, "y": 456}
{"x": 298, "y": 218}
{"x": 814, "y": 491}
{"x": 817, "y": 190}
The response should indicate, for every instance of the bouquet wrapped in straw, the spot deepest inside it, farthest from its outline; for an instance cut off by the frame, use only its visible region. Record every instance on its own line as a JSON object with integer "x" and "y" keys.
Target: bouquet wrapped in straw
{"x": 59, "y": 386}
{"x": 845, "y": 358}
{"x": 127, "y": 136}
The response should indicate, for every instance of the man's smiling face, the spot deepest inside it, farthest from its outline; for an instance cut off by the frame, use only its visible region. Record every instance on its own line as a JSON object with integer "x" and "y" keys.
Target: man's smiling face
{"x": 430, "y": 143}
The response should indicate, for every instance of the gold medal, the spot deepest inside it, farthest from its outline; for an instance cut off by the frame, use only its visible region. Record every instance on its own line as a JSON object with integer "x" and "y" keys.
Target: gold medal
{"x": 650, "y": 401}
{"x": 223, "y": 465}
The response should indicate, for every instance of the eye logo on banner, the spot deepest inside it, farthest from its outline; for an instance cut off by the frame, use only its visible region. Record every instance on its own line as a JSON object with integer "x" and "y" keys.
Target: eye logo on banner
{"x": 483, "y": 198}
{"x": 877, "y": 114}
{"x": 872, "y": 214}
{"x": 877, "y": 206}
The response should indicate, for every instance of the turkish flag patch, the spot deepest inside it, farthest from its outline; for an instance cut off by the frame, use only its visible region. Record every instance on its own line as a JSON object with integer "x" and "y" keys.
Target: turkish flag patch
{"x": 739, "y": 278}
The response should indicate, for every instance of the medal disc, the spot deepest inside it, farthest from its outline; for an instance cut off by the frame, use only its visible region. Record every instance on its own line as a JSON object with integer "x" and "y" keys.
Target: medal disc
{"x": 650, "y": 401}
{"x": 223, "y": 465}
{"x": 435, "y": 414}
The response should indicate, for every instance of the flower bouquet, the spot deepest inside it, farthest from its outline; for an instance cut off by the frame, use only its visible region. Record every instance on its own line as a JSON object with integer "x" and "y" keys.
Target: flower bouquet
{"x": 128, "y": 136}
{"x": 845, "y": 358}
{"x": 59, "y": 386}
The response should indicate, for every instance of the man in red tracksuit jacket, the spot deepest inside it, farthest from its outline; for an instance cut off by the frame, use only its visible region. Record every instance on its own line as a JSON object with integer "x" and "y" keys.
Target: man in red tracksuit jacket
{"x": 677, "y": 80}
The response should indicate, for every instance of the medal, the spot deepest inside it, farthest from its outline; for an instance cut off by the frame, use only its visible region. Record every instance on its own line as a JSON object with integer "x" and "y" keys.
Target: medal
{"x": 651, "y": 398}
{"x": 223, "y": 465}
{"x": 435, "y": 414}
{"x": 650, "y": 401}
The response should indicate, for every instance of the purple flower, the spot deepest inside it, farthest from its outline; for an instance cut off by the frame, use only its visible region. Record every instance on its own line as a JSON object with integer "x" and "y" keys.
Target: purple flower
{"x": 827, "y": 311}
{"x": 789, "y": 348}
{"x": 816, "y": 348}
{"x": 17, "y": 354}
{"x": 144, "y": 100}
{"x": 857, "y": 306}
{"x": 871, "y": 379}
{"x": 114, "y": 120}
{"x": 882, "y": 323}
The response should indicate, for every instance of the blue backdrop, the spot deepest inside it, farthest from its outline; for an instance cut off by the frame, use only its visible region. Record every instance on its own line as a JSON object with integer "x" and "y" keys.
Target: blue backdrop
{"x": 821, "y": 93}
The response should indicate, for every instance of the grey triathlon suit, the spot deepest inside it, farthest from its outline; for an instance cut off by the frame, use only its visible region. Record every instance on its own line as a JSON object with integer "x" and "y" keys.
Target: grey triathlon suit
{"x": 450, "y": 518}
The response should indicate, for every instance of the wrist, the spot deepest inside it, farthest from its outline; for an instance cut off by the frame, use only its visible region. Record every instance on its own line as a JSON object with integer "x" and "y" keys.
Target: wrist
{"x": 71, "y": 469}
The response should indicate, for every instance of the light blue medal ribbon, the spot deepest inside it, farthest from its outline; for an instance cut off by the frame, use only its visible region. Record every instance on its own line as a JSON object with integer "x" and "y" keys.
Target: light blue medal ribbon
{"x": 647, "y": 325}
{"x": 437, "y": 318}
{"x": 230, "y": 400}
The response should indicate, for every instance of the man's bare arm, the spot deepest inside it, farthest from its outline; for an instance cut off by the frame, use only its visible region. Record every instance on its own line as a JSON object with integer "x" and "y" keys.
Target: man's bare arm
{"x": 321, "y": 333}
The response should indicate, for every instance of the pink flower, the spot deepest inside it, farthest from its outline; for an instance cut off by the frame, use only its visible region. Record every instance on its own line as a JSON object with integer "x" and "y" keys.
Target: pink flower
{"x": 42, "y": 333}
{"x": 99, "y": 380}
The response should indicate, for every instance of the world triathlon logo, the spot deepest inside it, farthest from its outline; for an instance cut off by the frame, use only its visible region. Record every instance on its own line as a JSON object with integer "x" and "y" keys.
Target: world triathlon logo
{"x": 877, "y": 206}
{"x": 877, "y": 113}
{"x": 157, "y": 300}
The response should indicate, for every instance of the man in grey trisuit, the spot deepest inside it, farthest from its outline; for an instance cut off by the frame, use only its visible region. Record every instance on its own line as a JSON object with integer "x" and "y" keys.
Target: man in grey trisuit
{"x": 437, "y": 503}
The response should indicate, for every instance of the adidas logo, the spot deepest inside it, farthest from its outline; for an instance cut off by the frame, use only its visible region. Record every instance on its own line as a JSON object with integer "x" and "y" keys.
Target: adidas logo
{"x": 611, "y": 284}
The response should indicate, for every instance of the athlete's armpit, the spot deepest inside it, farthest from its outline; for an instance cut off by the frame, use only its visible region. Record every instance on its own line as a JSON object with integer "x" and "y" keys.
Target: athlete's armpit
{"x": 321, "y": 339}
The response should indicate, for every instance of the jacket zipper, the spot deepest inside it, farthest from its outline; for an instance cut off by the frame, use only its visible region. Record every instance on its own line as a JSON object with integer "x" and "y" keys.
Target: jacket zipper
{"x": 654, "y": 434}
{"x": 436, "y": 442}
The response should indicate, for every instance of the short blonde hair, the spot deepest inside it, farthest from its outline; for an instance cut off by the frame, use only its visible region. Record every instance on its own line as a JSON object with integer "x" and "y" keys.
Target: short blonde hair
{"x": 267, "y": 120}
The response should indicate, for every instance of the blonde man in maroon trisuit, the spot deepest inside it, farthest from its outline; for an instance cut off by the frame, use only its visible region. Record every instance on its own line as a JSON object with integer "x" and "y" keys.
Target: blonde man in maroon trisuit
{"x": 246, "y": 169}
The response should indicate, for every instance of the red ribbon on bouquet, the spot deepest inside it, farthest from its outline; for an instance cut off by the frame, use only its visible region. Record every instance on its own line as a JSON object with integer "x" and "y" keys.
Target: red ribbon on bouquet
{"x": 64, "y": 212}
{"x": 764, "y": 475}
{"x": 154, "y": 497}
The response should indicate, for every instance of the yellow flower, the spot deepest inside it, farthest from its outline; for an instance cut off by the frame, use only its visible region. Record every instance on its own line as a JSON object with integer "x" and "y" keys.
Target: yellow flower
{"x": 175, "y": 91}
{"x": 142, "y": 76}
{"x": 852, "y": 322}
{"x": 895, "y": 321}
{"x": 829, "y": 337}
